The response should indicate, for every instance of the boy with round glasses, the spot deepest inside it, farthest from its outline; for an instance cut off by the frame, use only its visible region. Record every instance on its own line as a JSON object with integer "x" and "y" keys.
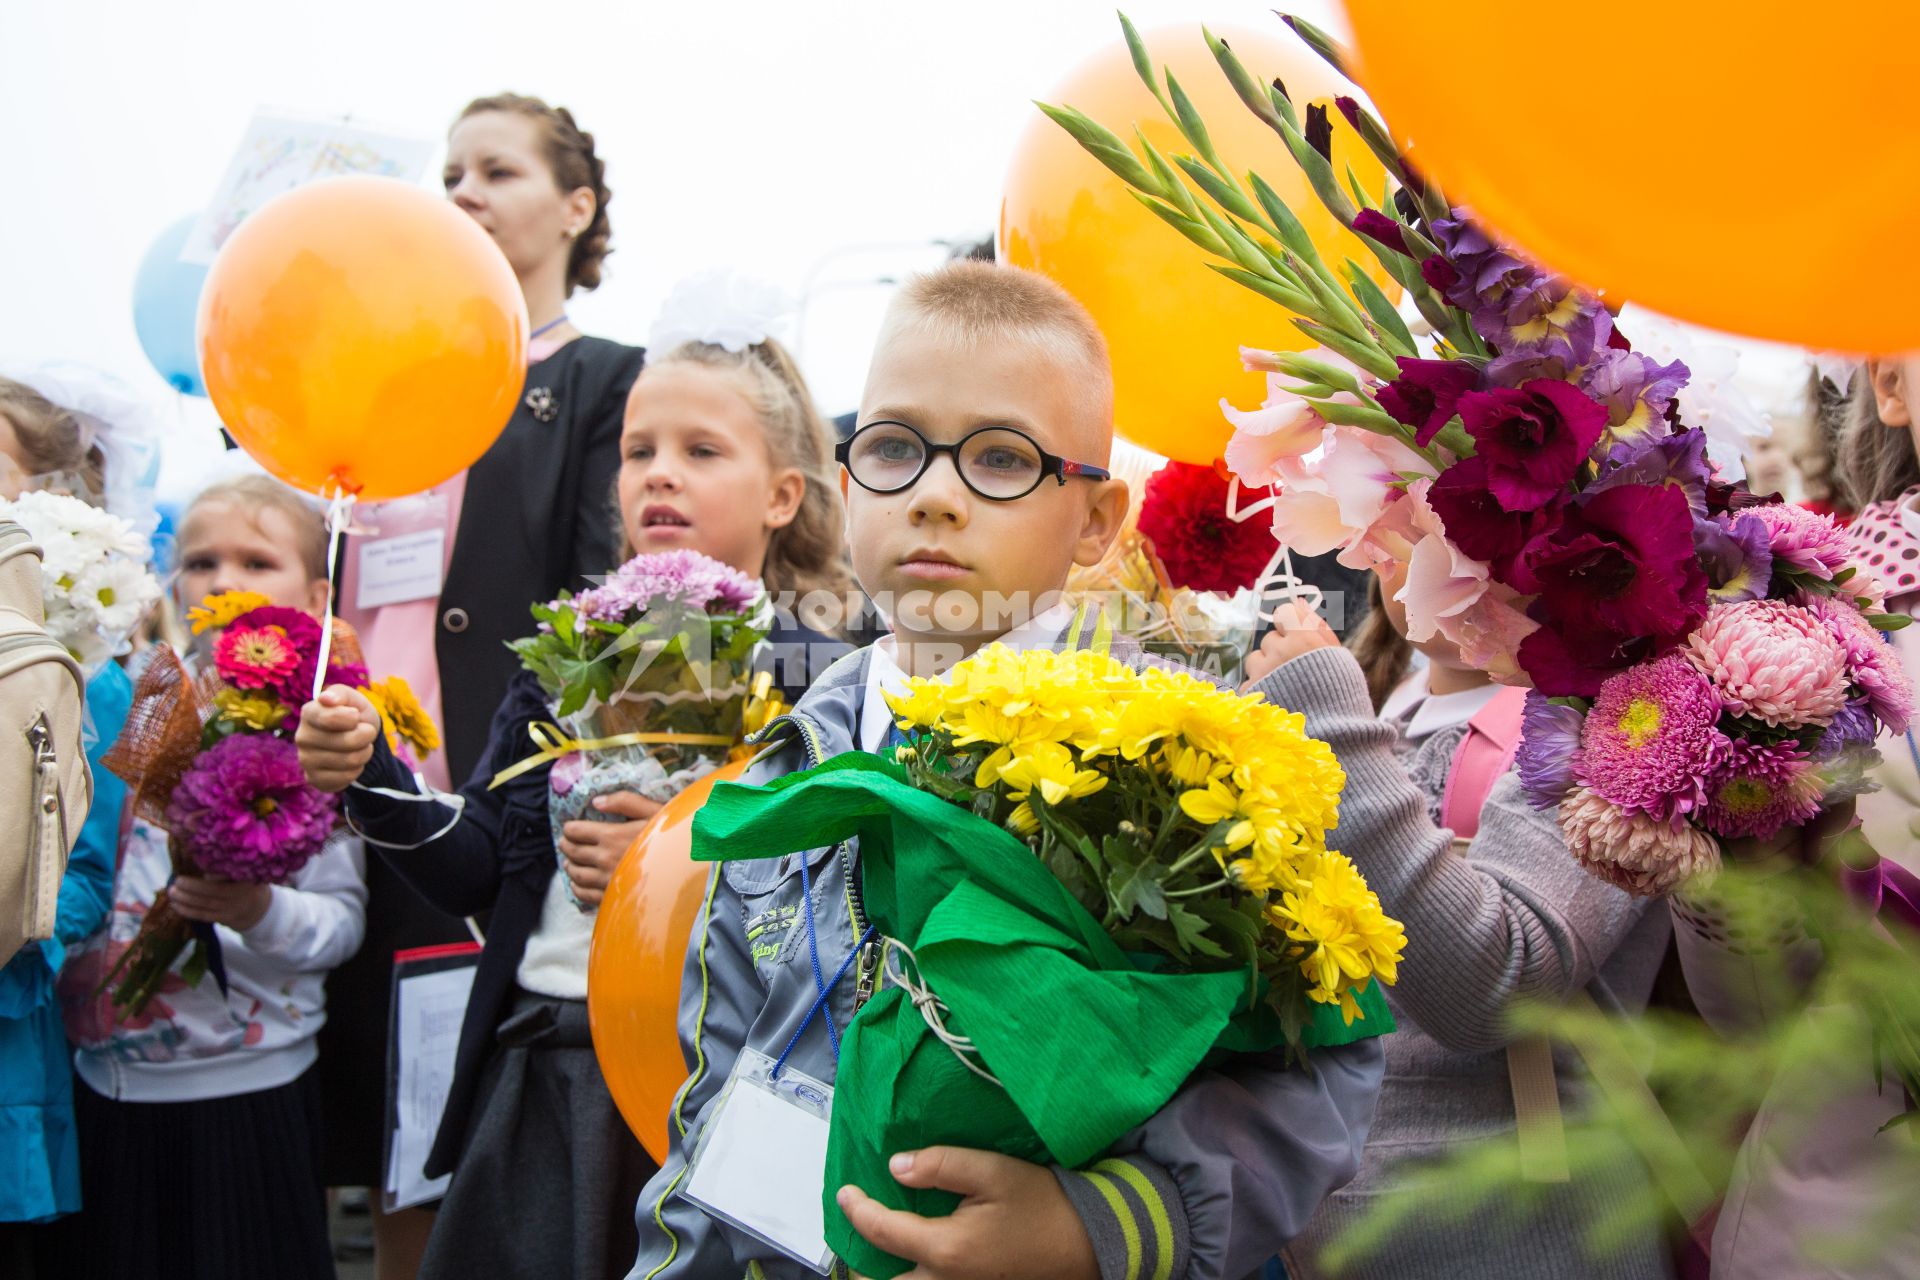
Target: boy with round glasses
{"x": 975, "y": 479}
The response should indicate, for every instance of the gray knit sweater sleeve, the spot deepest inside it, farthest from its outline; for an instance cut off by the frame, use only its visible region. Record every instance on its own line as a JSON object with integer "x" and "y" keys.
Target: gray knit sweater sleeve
{"x": 1515, "y": 919}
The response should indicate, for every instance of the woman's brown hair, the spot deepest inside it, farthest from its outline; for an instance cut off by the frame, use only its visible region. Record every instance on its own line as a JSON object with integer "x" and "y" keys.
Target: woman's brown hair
{"x": 53, "y": 440}
{"x": 1876, "y": 462}
{"x": 570, "y": 155}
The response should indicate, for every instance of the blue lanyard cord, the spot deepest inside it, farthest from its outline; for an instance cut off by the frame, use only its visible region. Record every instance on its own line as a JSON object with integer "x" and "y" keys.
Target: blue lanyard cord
{"x": 1913, "y": 751}
{"x": 822, "y": 987}
{"x": 551, "y": 324}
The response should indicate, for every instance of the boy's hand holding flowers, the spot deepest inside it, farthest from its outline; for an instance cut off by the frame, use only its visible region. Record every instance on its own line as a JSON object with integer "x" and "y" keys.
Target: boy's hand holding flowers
{"x": 1014, "y": 1220}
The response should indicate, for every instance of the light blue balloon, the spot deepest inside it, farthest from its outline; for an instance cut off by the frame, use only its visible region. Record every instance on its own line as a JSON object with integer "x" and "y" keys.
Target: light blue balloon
{"x": 166, "y": 303}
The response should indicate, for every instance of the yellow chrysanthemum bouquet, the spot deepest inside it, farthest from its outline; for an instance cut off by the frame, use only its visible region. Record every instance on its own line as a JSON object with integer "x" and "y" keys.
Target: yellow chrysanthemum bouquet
{"x": 1085, "y": 881}
{"x": 1189, "y": 820}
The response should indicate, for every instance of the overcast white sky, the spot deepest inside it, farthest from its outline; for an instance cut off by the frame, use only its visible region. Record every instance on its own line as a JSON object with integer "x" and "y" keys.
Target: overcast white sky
{"x": 763, "y": 135}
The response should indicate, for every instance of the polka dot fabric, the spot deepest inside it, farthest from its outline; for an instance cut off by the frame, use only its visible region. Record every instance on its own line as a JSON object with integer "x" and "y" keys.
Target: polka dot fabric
{"x": 1888, "y": 548}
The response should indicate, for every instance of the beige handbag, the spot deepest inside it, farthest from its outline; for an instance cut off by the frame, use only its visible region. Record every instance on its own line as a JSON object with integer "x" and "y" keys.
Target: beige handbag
{"x": 45, "y": 786}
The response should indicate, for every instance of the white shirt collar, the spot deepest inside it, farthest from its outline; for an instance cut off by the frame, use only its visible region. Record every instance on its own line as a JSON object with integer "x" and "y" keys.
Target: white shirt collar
{"x": 1910, "y": 515}
{"x": 1433, "y": 712}
{"x": 885, "y": 676}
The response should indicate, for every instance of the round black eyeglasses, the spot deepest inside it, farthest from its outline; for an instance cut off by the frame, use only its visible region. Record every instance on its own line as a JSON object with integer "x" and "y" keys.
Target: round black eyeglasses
{"x": 1000, "y": 464}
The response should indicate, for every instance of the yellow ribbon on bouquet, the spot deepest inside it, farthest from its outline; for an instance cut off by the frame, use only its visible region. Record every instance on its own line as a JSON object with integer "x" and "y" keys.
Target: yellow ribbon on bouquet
{"x": 554, "y": 743}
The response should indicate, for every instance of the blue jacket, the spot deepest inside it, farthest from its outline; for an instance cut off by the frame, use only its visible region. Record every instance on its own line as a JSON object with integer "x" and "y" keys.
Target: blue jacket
{"x": 1208, "y": 1188}
{"x": 39, "y": 1154}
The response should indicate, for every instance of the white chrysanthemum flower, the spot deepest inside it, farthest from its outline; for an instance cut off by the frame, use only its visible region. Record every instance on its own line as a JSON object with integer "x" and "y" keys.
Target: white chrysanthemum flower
{"x": 96, "y": 586}
{"x": 115, "y": 594}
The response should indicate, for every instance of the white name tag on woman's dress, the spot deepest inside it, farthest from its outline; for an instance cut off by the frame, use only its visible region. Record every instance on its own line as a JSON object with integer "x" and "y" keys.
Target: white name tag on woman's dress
{"x": 404, "y": 554}
{"x": 762, "y": 1162}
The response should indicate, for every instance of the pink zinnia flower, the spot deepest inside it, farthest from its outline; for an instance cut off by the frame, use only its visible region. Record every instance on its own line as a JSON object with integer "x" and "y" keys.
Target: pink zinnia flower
{"x": 255, "y": 657}
{"x": 246, "y": 812}
{"x": 1632, "y": 851}
{"x": 1803, "y": 539}
{"x": 1761, "y": 789}
{"x": 1773, "y": 661}
{"x": 1873, "y": 665}
{"x": 1650, "y": 742}
{"x": 272, "y": 648}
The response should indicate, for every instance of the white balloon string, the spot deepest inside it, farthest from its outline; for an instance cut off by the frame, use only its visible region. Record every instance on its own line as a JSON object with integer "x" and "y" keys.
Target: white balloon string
{"x": 455, "y": 803}
{"x": 1278, "y": 583}
{"x": 339, "y": 511}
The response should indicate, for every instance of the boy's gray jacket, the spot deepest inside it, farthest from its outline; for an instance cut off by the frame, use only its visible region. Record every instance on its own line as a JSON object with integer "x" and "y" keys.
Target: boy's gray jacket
{"x": 1210, "y": 1187}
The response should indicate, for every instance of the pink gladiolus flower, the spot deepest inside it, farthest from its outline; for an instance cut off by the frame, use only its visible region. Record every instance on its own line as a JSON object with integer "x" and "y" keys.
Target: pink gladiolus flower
{"x": 1441, "y": 582}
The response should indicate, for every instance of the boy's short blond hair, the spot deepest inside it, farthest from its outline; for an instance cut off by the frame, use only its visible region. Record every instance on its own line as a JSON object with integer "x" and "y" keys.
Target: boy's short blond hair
{"x": 968, "y": 303}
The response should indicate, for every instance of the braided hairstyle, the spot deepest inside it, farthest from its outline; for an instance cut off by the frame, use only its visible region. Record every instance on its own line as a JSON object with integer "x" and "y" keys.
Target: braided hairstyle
{"x": 570, "y": 155}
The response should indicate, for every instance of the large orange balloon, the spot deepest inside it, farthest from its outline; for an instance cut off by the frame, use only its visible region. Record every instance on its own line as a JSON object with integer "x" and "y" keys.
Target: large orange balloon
{"x": 1173, "y": 326}
{"x": 633, "y": 968}
{"x": 1752, "y": 167}
{"x": 359, "y": 335}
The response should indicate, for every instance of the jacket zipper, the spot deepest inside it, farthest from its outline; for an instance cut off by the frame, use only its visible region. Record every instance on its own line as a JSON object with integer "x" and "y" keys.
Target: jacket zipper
{"x": 867, "y": 969}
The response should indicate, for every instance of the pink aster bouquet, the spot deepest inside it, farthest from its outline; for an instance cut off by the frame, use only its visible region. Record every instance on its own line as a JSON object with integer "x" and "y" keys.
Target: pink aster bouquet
{"x": 1705, "y": 663}
{"x": 210, "y": 758}
{"x": 650, "y": 672}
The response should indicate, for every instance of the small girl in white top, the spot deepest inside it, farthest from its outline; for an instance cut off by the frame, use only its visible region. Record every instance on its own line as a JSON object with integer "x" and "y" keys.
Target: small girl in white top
{"x": 199, "y": 1117}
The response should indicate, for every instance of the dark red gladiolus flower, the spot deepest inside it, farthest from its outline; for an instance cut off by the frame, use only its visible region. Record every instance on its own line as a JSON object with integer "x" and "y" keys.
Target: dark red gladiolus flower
{"x": 1617, "y": 583}
{"x": 1439, "y": 273}
{"x": 1534, "y": 437}
{"x": 1477, "y": 523}
{"x": 1427, "y": 394}
{"x": 1372, "y": 222}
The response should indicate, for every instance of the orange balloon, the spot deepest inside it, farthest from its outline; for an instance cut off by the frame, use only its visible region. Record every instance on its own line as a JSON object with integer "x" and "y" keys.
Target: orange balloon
{"x": 633, "y": 967}
{"x": 1752, "y": 168}
{"x": 358, "y": 335}
{"x": 1173, "y": 326}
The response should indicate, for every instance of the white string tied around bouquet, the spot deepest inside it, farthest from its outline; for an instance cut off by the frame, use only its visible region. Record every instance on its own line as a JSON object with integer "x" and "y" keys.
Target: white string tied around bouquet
{"x": 933, "y": 1009}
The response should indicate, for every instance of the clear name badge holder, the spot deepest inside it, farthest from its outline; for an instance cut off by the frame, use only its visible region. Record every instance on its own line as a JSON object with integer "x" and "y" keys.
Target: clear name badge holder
{"x": 760, "y": 1165}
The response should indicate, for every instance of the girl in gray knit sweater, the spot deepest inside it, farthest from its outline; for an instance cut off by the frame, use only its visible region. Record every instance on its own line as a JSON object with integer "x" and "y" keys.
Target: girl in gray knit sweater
{"x": 1505, "y": 918}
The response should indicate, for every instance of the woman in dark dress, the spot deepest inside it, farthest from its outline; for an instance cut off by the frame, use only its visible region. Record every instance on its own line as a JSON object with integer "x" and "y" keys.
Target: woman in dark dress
{"x": 437, "y": 582}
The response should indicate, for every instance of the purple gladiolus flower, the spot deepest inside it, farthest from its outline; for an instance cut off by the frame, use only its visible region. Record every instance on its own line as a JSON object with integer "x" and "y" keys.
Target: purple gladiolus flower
{"x": 1734, "y": 553}
{"x": 1549, "y": 750}
{"x": 1679, "y": 460}
{"x": 1636, "y": 389}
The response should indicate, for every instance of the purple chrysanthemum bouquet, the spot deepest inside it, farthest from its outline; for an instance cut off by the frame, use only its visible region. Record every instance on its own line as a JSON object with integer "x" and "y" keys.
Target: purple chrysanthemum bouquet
{"x": 209, "y": 757}
{"x": 649, "y": 671}
{"x": 1705, "y": 665}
